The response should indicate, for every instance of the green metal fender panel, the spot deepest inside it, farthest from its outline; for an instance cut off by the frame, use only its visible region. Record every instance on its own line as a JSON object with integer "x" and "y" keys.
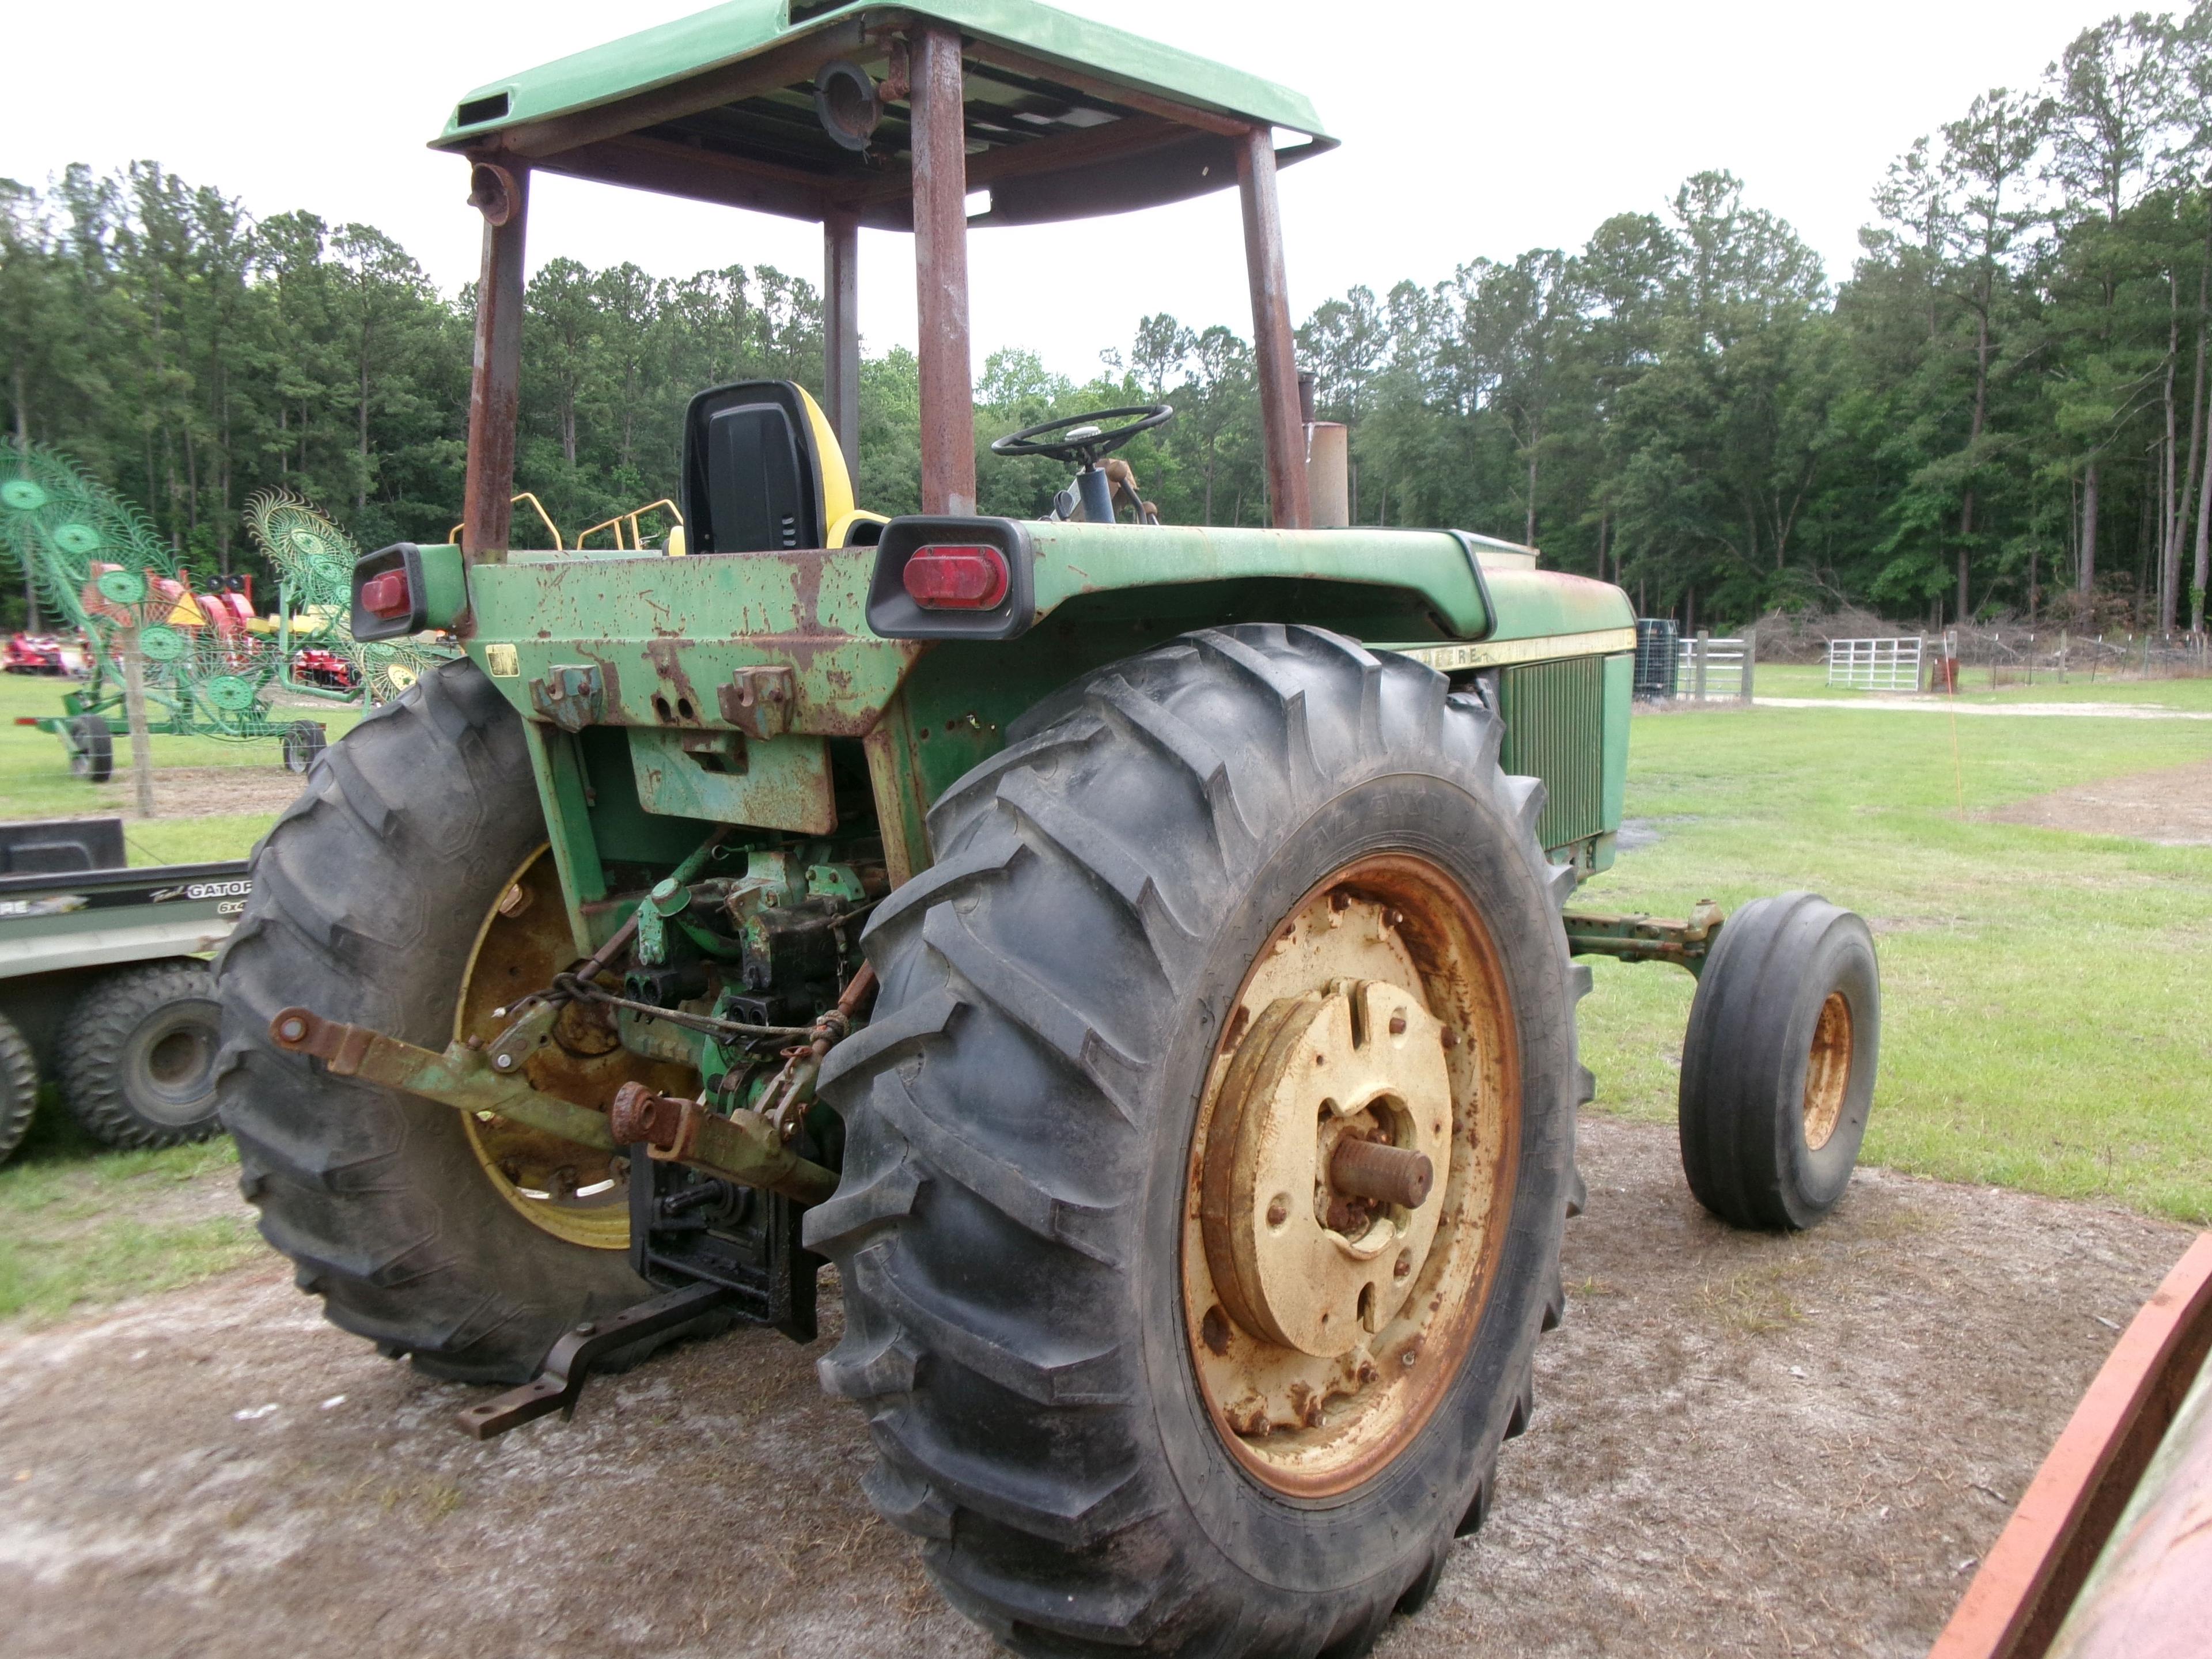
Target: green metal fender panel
{"x": 667, "y": 637}
{"x": 743, "y": 680}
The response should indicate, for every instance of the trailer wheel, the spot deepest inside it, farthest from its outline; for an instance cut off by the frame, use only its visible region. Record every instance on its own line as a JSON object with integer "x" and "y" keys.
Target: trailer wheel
{"x": 19, "y": 1087}
{"x": 407, "y": 889}
{"x": 91, "y": 748}
{"x": 135, "y": 1060}
{"x": 1151, "y": 1365}
{"x": 1779, "y": 1063}
{"x": 303, "y": 741}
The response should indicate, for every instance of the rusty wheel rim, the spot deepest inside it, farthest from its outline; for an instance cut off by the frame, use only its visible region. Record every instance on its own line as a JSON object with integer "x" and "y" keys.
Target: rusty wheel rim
{"x": 574, "y": 1192}
{"x": 1328, "y": 1315}
{"x": 1827, "y": 1070}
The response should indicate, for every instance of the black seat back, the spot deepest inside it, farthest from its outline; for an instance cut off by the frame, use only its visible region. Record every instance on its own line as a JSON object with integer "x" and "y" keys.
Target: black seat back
{"x": 752, "y": 476}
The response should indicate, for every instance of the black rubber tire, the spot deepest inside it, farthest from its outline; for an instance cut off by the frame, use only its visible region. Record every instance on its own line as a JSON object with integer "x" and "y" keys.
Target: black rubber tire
{"x": 1020, "y": 1112}
{"x": 303, "y": 741}
{"x": 368, "y": 894}
{"x": 19, "y": 1087}
{"x": 91, "y": 748}
{"x": 1741, "y": 1106}
{"x": 136, "y": 1059}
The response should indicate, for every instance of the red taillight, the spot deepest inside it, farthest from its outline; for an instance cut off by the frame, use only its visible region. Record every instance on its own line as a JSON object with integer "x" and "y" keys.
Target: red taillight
{"x": 957, "y": 578}
{"x": 387, "y": 595}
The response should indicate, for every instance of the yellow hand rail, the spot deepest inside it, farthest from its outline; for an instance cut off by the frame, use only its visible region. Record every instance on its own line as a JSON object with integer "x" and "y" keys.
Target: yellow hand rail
{"x": 543, "y": 518}
{"x": 637, "y": 543}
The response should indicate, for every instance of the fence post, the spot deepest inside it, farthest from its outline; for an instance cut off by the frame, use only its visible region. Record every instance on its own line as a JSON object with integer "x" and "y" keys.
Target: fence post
{"x": 1698, "y": 673}
{"x": 1750, "y": 660}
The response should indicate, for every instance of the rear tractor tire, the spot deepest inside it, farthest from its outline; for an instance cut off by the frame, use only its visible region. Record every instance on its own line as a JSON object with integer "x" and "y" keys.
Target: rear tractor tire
{"x": 407, "y": 889}
{"x": 1779, "y": 1063}
{"x": 135, "y": 1060}
{"x": 1208, "y": 1153}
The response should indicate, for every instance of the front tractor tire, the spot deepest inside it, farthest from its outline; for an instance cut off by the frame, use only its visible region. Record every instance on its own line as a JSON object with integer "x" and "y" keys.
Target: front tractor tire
{"x": 1778, "y": 1063}
{"x": 407, "y": 874}
{"x": 1150, "y": 1365}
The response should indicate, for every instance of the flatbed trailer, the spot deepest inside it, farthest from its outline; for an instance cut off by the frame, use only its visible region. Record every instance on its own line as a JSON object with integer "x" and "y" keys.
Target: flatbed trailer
{"x": 104, "y": 985}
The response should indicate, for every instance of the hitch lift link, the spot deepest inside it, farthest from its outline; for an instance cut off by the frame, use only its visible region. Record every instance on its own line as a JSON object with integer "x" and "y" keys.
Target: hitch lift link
{"x": 743, "y": 1147}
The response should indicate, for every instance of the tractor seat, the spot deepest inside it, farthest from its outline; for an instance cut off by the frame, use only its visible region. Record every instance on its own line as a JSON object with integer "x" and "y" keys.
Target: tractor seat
{"x": 762, "y": 472}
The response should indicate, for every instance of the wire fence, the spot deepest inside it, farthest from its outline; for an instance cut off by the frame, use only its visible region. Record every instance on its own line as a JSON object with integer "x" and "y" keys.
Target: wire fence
{"x": 1993, "y": 657}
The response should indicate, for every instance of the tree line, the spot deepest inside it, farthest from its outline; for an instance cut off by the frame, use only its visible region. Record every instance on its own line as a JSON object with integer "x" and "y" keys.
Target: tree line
{"x": 2003, "y": 409}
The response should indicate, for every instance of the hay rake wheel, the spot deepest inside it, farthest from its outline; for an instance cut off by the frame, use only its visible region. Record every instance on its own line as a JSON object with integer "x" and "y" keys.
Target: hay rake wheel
{"x": 96, "y": 559}
{"x": 315, "y": 560}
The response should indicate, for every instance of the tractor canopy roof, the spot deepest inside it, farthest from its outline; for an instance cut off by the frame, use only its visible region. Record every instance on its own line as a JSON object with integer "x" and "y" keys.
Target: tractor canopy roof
{"x": 1066, "y": 118}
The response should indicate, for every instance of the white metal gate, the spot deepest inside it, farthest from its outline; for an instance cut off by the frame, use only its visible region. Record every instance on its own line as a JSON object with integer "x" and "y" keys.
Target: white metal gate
{"x": 1890, "y": 664}
{"x": 1714, "y": 669}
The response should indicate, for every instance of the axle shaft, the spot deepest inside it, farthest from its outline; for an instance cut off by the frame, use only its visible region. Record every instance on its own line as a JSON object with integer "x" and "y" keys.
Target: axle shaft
{"x": 1386, "y": 1174}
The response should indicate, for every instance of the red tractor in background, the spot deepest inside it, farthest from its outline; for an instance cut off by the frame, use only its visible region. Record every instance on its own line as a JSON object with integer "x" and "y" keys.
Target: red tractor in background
{"x": 40, "y": 653}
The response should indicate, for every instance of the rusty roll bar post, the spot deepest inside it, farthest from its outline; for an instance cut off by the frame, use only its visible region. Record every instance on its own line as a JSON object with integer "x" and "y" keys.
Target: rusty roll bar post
{"x": 841, "y": 331}
{"x": 501, "y": 191}
{"x": 940, "y": 264}
{"x": 1273, "y": 352}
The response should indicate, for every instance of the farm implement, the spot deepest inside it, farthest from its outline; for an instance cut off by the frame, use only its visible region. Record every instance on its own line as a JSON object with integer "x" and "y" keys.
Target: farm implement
{"x": 206, "y": 663}
{"x": 1140, "y": 956}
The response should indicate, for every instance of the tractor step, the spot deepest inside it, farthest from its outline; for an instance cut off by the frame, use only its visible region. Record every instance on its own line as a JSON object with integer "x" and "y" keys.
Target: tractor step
{"x": 568, "y": 1367}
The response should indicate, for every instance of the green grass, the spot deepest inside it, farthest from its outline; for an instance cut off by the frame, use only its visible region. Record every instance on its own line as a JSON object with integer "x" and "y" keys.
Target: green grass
{"x": 2042, "y": 991}
{"x": 81, "y": 1224}
{"x": 35, "y": 781}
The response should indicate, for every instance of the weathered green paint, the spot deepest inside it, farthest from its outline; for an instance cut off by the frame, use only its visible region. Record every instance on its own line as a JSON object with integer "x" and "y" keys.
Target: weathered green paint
{"x": 556, "y": 763}
{"x": 460, "y": 1077}
{"x": 774, "y": 783}
{"x": 722, "y": 36}
{"x": 746, "y": 1147}
{"x": 1552, "y": 709}
{"x": 669, "y": 643}
{"x": 1077, "y": 558}
{"x": 669, "y": 634}
{"x": 1633, "y": 938}
{"x": 1620, "y": 683}
{"x": 743, "y": 1146}
{"x": 445, "y": 582}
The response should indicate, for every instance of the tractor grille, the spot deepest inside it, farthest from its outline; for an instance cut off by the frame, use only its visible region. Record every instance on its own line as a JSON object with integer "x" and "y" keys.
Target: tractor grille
{"x": 1554, "y": 730}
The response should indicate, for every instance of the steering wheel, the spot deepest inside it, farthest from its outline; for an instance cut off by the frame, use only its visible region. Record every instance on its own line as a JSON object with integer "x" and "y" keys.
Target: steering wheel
{"x": 1085, "y": 438}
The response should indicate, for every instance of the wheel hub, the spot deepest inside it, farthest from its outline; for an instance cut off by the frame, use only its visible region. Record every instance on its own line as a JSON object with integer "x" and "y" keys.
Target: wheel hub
{"x": 1353, "y": 1154}
{"x": 1827, "y": 1070}
{"x": 1334, "y": 1113}
{"x": 572, "y": 1192}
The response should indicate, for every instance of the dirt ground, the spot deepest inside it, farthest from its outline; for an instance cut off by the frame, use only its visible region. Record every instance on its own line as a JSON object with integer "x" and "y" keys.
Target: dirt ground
{"x": 2171, "y": 805}
{"x": 1742, "y": 1445}
{"x": 198, "y": 792}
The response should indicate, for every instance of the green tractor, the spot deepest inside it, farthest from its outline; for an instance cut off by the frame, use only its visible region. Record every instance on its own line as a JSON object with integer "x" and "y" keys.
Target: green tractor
{"x": 1138, "y": 955}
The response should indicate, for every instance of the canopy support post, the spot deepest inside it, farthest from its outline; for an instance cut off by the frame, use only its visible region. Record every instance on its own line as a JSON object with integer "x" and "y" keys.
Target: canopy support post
{"x": 501, "y": 191}
{"x": 841, "y": 331}
{"x": 940, "y": 262}
{"x": 1273, "y": 351}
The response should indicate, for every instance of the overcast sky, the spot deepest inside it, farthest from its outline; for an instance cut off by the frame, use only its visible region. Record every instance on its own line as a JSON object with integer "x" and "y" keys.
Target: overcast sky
{"x": 1467, "y": 129}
